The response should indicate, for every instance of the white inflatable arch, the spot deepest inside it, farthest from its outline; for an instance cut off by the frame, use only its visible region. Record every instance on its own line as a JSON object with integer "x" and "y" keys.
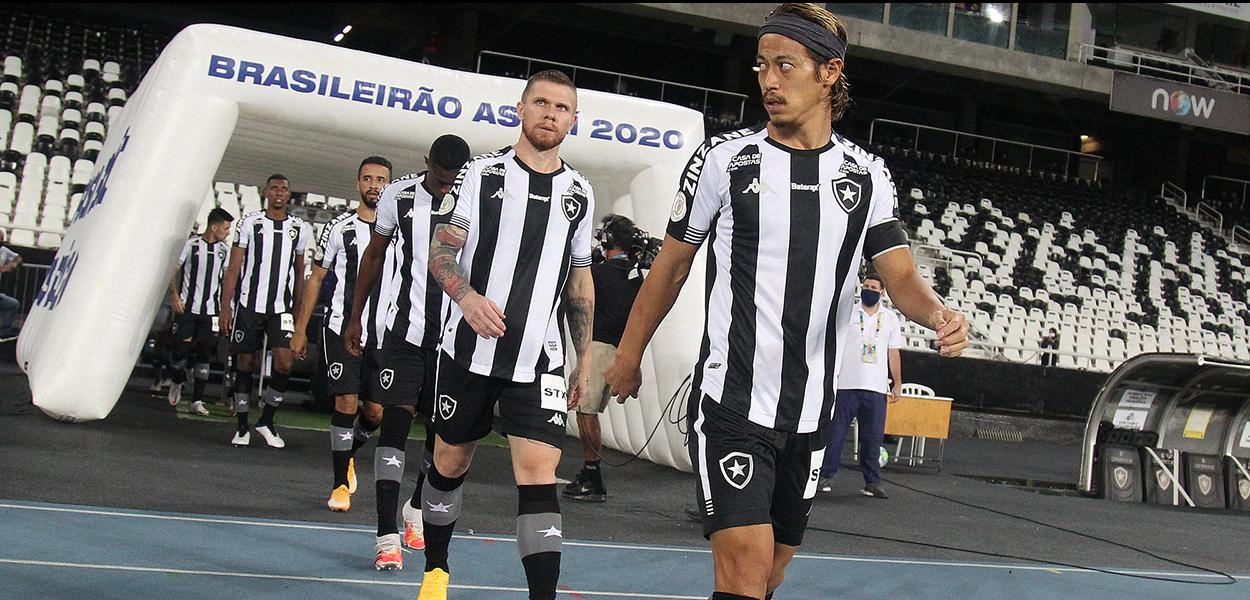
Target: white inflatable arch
{"x": 227, "y": 104}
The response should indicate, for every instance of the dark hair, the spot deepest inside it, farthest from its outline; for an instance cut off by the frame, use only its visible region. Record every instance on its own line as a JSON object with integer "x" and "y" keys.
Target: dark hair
{"x": 275, "y": 177}
{"x": 219, "y": 215}
{"x": 449, "y": 152}
{"x": 374, "y": 160}
{"x": 873, "y": 276}
{"x": 841, "y": 99}
{"x": 550, "y": 75}
{"x": 617, "y": 232}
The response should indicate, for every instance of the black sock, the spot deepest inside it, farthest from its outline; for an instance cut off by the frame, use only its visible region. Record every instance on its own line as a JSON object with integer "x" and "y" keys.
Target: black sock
{"x": 591, "y": 468}
{"x": 362, "y": 431}
{"x": 539, "y": 536}
{"x": 242, "y": 397}
{"x": 427, "y": 460}
{"x": 266, "y": 417}
{"x": 340, "y": 445}
{"x": 197, "y": 393}
{"x": 446, "y": 494}
{"x": 242, "y": 418}
{"x": 388, "y": 466}
{"x": 201, "y": 380}
{"x": 728, "y": 596}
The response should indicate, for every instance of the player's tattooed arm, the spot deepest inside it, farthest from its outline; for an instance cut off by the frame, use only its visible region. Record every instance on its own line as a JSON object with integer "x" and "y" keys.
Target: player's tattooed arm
{"x": 446, "y": 245}
{"x": 580, "y": 308}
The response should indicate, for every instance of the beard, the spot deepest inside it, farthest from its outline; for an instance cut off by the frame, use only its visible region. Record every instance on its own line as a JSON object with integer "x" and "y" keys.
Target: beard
{"x": 372, "y": 204}
{"x": 542, "y": 140}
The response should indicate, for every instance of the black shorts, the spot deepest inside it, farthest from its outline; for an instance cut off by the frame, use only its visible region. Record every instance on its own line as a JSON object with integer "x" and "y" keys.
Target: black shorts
{"x": 250, "y": 329}
{"x": 465, "y": 405}
{"x": 752, "y": 475}
{"x": 403, "y": 374}
{"x": 346, "y": 374}
{"x": 198, "y": 329}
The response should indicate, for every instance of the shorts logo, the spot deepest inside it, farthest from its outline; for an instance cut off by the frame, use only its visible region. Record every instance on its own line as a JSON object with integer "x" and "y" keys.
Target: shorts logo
{"x": 847, "y": 194}
{"x": 238, "y": 336}
{"x": 1165, "y": 483}
{"x": 1205, "y": 484}
{"x": 737, "y": 468}
{"x": 1121, "y": 477}
{"x": 446, "y": 407}
{"x": 557, "y": 419}
{"x": 385, "y": 378}
{"x": 1243, "y": 489}
{"x": 336, "y": 371}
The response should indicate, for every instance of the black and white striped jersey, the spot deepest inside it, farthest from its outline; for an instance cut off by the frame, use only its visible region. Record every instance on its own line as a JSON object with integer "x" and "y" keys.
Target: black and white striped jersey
{"x": 526, "y": 230}
{"x": 270, "y": 248}
{"x": 405, "y": 214}
{"x": 787, "y": 231}
{"x": 343, "y": 241}
{"x": 202, "y": 264}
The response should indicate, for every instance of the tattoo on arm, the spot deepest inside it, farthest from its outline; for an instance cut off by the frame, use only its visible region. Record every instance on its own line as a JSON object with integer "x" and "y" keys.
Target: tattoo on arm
{"x": 580, "y": 312}
{"x": 448, "y": 240}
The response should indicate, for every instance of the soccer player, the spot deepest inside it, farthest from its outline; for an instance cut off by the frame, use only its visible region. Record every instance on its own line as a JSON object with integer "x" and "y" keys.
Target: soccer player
{"x": 514, "y": 256}
{"x": 195, "y": 297}
{"x": 342, "y": 242}
{"x": 269, "y": 255}
{"x": 790, "y": 208}
{"x": 408, "y": 210}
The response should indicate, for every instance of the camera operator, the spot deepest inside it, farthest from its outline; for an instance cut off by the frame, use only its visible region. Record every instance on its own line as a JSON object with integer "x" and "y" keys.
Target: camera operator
{"x": 626, "y": 250}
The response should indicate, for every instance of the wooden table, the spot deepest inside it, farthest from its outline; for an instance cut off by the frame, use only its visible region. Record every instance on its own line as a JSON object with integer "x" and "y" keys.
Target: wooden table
{"x": 919, "y": 418}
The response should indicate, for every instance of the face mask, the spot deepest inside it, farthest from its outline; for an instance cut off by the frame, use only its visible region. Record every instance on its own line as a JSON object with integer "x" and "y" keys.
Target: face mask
{"x": 870, "y": 297}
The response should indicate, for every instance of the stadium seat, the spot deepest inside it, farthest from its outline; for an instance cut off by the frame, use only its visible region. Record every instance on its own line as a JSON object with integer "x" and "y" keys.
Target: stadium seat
{"x": 48, "y": 240}
{"x": 116, "y": 97}
{"x": 74, "y": 82}
{"x": 94, "y": 131}
{"x": 12, "y": 69}
{"x": 73, "y": 99}
{"x": 96, "y": 112}
{"x": 28, "y": 104}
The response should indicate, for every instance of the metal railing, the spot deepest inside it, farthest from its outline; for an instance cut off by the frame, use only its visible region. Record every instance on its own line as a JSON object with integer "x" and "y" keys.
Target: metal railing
{"x": 24, "y": 283}
{"x": 1245, "y": 186}
{"x": 994, "y": 143}
{"x": 621, "y": 78}
{"x": 931, "y": 254}
{"x": 1205, "y": 212}
{"x": 1174, "y": 194}
{"x": 1241, "y": 238}
{"x": 1150, "y": 64}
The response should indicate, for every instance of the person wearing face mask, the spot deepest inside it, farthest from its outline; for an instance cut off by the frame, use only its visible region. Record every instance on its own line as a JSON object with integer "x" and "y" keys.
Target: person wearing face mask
{"x": 864, "y": 386}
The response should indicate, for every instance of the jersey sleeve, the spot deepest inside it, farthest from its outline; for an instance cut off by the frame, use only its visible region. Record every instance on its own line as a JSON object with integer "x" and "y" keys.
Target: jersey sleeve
{"x": 386, "y": 218}
{"x": 580, "y": 254}
{"x": 305, "y": 236}
{"x": 464, "y": 196}
{"x": 699, "y": 198}
{"x": 242, "y": 235}
{"x": 885, "y": 230}
{"x": 896, "y": 332}
{"x": 327, "y": 248}
{"x": 186, "y": 251}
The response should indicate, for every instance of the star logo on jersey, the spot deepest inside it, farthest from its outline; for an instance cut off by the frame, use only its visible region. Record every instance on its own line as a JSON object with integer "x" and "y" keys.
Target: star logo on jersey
{"x": 385, "y": 378}
{"x": 1121, "y": 477}
{"x": 221, "y": 255}
{"x": 551, "y": 532}
{"x": 572, "y": 207}
{"x": 440, "y": 507}
{"x": 847, "y": 194}
{"x": 1205, "y": 484}
{"x": 1165, "y": 482}
{"x": 1243, "y": 489}
{"x": 238, "y": 337}
{"x": 737, "y": 468}
{"x": 446, "y": 407}
{"x": 393, "y": 461}
{"x": 293, "y": 233}
{"x": 336, "y": 371}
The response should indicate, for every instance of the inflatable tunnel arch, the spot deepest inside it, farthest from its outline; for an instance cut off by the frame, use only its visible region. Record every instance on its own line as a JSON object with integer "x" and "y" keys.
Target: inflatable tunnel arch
{"x": 227, "y": 104}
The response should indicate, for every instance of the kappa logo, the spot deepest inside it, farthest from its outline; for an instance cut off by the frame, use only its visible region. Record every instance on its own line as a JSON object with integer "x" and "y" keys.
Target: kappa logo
{"x": 1205, "y": 484}
{"x": 754, "y": 188}
{"x": 557, "y": 419}
{"x": 679, "y": 207}
{"x": 847, "y": 193}
{"x": 385, "y": 378}
{"x": 498, "y": 195}
{"x": 1121, "y": 477}
{"x": 1243, "y": 489}
{"x": 449, "y": 203}
{"x": 737, "y": 468}
{"x": 336, "y": 371}
{"x": 446, "y": 407}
